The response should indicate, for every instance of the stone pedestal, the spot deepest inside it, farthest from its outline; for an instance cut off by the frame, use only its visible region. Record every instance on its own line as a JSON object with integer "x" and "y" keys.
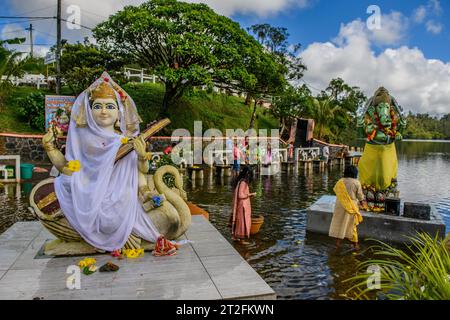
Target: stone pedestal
{"x": 376, "y": 226}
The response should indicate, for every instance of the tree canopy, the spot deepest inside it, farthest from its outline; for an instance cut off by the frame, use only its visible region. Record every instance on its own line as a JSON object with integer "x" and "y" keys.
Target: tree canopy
{"x": 186, "y": 45}
{"x": 275, "y": 40}
{"x": 82, "y": 63}
{"x": 11, "y": 64}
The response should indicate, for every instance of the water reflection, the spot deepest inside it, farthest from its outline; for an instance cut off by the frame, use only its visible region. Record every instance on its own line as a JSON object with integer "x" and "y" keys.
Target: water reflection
{"x": 306, "y": 266}
{"x": 295, "y": 264}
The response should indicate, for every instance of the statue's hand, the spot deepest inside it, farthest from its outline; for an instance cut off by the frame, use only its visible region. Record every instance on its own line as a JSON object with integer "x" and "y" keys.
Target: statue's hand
{"x": 140, "y": 146}
{"x": 49, "y": 137}
{"x": 398, "y": 136}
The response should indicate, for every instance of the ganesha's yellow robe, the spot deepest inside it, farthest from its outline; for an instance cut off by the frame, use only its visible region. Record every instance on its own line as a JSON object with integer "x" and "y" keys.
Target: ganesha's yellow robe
{"x": 378, "y": 165}
{"x": 346, "y": 214}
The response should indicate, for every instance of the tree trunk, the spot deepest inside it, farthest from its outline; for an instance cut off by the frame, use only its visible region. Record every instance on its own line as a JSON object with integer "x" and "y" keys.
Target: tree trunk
{"x": 283, "y": 126}
{"x": 169, "y": 94}
{"x": 164, "y": 110}
{"x": 293, "y": 130}
{"x": 248, "y": 99}
{"x": 252, "y": 120}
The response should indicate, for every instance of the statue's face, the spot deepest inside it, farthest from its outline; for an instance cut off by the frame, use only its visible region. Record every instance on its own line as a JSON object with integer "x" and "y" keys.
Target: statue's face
{"x": 105, "y": 112}
{"x": 383, "y": 110}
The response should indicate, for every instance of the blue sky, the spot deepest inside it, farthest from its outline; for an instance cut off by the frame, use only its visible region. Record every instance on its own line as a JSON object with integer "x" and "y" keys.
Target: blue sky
{"x": 409, "y": 54}
{"x": 321, "y": 22}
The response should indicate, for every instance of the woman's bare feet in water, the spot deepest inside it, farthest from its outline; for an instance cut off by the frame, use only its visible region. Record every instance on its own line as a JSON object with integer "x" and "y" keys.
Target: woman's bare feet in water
{"x": 241, "y": 241}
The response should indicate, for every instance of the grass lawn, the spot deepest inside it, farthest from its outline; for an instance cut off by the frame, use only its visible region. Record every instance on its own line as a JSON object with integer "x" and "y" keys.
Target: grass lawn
{"x": 214, "y": 110}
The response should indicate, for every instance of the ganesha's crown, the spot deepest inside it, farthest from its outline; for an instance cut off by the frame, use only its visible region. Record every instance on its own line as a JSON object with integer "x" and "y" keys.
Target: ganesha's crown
{"x": 103, "y": 91}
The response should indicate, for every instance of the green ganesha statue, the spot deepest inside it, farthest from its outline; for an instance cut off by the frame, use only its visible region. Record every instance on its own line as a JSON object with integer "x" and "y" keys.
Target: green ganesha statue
{"x": 382, "y": 122}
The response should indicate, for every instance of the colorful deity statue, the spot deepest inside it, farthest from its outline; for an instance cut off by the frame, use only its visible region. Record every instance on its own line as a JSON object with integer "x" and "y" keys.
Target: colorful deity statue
{"x": 104, "y": 200}
{"x": 383, "y": 123}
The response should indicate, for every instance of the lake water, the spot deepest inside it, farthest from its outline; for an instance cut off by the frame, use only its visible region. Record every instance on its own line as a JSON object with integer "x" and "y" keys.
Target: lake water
{"x": 295, "y": 264}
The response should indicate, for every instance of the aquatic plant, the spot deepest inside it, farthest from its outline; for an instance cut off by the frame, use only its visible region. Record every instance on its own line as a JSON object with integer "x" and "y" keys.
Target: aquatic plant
{"x": 421, "y": 271}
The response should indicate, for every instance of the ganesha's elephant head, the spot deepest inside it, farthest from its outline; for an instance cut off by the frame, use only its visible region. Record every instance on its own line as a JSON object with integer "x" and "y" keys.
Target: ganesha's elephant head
{"x": 382, "y": 120}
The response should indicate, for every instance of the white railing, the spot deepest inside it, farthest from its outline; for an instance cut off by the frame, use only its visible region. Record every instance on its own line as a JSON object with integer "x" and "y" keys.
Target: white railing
{"x": 306, "y": 154}
{"x": 37, "y": 80}
{"x": 139, "y": 73}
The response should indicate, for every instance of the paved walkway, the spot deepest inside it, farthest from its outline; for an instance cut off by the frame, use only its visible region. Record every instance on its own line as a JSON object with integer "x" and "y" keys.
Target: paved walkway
{"x": 208, "y": 268}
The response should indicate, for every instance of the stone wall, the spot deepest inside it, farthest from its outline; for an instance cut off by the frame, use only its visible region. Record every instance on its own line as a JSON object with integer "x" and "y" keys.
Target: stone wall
{"x": 28, "y": 147}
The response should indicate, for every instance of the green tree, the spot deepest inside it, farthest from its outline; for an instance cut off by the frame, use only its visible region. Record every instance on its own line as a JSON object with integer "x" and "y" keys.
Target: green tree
{"x": 344, "y": 100}
{"x": 424, "y": 126}
{"x": 275, "y": 40}
{"x": 270, "y": 80}
{"x": 82, "y": 63}
{"x": 32, "y": 110}
{"x": 292, "y": 104}
{"x": 11, "y": 64}
{"x": 323, "y": 112}
{"x": 184, "y": 44}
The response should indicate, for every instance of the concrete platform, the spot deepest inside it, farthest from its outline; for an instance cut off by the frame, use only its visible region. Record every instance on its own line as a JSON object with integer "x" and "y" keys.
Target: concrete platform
{"x": 377, "y": 226}
{"x": 208, "y": 268}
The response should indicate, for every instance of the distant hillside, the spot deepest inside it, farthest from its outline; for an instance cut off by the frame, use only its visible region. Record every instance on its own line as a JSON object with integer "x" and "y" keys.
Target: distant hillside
{"x": 214, "y": 110}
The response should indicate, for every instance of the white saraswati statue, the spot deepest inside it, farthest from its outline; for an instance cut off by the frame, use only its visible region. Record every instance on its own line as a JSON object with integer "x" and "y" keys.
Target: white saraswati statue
{"x": 99, "y": 203}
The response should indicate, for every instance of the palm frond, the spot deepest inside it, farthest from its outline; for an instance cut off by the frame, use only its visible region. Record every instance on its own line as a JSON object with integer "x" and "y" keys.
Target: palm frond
{"x": 421, "y": 271}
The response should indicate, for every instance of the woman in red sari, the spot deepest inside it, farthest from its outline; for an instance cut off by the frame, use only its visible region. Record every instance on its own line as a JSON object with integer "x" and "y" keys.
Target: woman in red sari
{"x": 241, "y": 219}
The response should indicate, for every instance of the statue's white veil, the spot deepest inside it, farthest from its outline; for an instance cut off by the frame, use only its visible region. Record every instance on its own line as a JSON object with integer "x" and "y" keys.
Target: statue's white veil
{"x": 101, "y": 200}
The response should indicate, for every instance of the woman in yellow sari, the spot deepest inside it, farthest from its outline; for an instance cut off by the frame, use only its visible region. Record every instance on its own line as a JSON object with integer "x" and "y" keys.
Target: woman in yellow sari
{"x": 346, "y": 214}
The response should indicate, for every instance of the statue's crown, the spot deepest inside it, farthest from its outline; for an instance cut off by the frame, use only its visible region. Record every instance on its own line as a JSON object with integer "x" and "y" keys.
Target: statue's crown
{"x": 103, "y": 91}
{"x": 382, "y": 95}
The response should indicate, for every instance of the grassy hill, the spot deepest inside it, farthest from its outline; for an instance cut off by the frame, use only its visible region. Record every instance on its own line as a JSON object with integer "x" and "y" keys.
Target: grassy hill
{"x": 214, "y": 110}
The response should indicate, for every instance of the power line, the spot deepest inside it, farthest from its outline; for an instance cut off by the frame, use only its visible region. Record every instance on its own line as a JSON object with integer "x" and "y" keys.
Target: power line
{"x": 76, "y": 24}
{"x": 24, "y": 21}
{"x": 14, "y": 31}
{"x": 51, "y": 35}
{"x": 92, "y": 13}
{"x": 309, "y": 85}
{"x": 19, "y": 17}
{"x": 28, "y": 12}
{"x": 36, "y": 44}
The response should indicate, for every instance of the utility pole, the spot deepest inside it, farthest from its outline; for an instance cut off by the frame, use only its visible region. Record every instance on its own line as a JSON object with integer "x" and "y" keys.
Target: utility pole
{"x": 58, "y": 48}
{"x": 31, "y": 39}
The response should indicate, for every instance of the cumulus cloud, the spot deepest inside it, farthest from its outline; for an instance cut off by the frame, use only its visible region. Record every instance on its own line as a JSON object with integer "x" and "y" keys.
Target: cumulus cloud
{"x": 432, "y": 9}
{"x": 94, "y": 12}
{"x": 260, "y": 8}
{"x": 418, "y": 83}
{"x": 393, "y": 30}
{"x": 435, "y": 6}
{"x": 434, "y": 27}
{"x": 420, "y": 14}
